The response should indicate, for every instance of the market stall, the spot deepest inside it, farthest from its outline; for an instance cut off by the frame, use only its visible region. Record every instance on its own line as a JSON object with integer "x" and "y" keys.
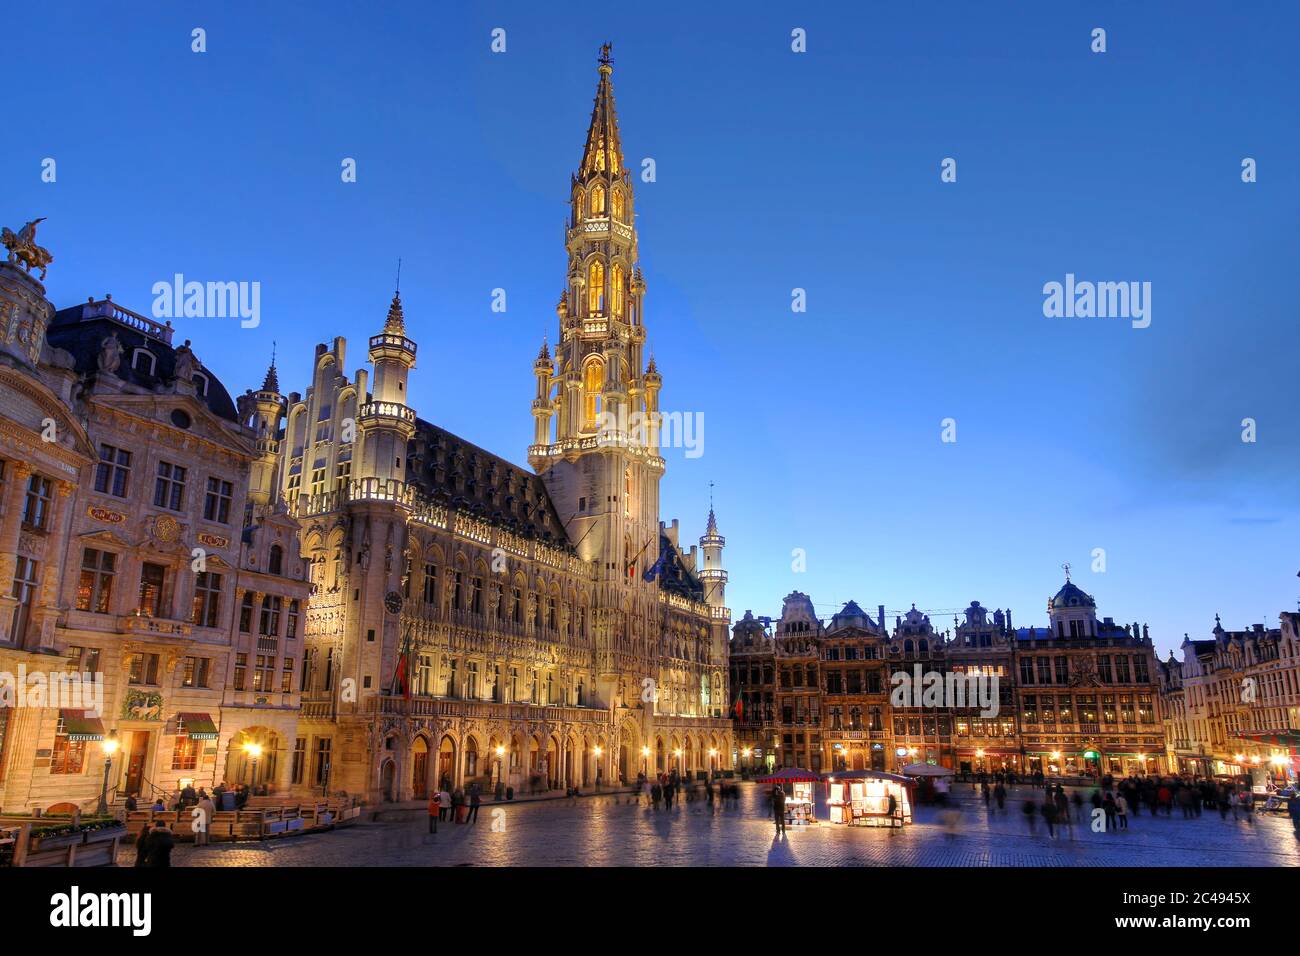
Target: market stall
{"x": 800, "y": 795}
{"x": 862, "y": 798}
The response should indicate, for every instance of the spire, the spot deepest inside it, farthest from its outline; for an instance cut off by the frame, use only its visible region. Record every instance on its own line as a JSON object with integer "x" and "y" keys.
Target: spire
{"x": 712, "y": 527}
{"x": 272, "y": 381}
{"x": 603, "y": 152}
{"x": 652, "y": 369}
{"x": 395, "y": 324}
{"x": 545, "y": 354}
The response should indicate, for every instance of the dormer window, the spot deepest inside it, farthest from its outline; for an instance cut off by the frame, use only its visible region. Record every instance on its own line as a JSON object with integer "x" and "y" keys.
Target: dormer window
{"x": 144, "y": 361}
{"x": 200, "y": 383}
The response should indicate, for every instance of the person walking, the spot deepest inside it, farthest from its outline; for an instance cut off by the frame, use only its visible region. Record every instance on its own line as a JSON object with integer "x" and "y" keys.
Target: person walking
{"x": 1000, "y": 795}
{"x": 444, "y": 804}
{"x": 160, "y": 846}
{"x": 435, "y": 811}
{"x": 656, "y": 794}
{"x": 778, "y": 809}
{"x": 1049, "y": 816}
{"x": 1108, "y": 808}
{"x": 1121, "y": 810}
{"x": 1031, "y": 812}
{"x": 474, "y": 801}
{"x": 142, "y": 845}
{"x": 204, "y": 813}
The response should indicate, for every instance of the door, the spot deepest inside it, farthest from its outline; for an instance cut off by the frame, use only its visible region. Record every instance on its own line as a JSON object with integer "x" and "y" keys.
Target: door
{"x": 420, "y": 775}
{"x": 136, "y": 751}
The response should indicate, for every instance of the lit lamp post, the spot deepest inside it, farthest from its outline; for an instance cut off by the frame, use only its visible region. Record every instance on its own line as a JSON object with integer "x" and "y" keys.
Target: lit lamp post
{"x": 501, "y": 752}
{"x": 253, "y": 751}
{"x": 596, "y": 753}
{"x": 678, "y": 754}
{"x": 109, "y": 745}
{"x": 645, "y": 761}
{"x": 713, "y": 756}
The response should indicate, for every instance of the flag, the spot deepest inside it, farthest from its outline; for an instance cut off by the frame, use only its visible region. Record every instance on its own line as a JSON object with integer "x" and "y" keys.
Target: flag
{"x": 739, "y": 708}
{"x": 402, "y": 675}
{"x": 657, "y": 568}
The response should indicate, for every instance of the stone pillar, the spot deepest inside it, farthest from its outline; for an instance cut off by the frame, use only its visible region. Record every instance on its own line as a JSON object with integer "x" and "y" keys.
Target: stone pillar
{"x": 11, "y": 522}
{"x": 46, "y": 609}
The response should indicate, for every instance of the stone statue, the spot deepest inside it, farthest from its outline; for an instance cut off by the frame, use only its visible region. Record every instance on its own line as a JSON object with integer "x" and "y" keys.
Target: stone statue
{"x": 110, "y": 354}
{"x": 23, "y": 248}
{"x": 185, "y": 363}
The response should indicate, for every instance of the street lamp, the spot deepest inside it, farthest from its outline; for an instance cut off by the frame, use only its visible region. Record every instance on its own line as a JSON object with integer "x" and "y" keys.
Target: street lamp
{"x": 501, "y": 752}
{"x": 109, "y": 745}
{"x": 645, "y": 761}
{"x": 253, "y": 751}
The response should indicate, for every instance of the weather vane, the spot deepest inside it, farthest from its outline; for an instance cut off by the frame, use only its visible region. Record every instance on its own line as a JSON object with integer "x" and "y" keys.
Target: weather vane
{"x": 1066, "y": 567}
{"x": 605, "y": 49}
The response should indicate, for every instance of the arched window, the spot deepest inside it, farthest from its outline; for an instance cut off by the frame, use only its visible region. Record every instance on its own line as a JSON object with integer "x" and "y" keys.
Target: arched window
{"x": 616, "y": 286}
{"x": 598, "y": 201}
{"x": 577, "y": 207}
{"x": 275, "y": 563}
{"x": 616, "y": 204}
{"x": 593, "y": 382}
{"x": 596, "y": 286}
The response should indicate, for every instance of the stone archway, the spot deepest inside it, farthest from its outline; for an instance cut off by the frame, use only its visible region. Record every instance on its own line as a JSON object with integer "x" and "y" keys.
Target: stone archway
{"x": 420, "y": 768}
{"x": 388, "y": 780}
{"x": 446, "y": 762}
{"x": 253, "y": 757}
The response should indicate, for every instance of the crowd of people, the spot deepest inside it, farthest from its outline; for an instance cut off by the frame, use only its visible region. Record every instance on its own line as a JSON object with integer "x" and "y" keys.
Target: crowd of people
{"x": 668, "y": 788}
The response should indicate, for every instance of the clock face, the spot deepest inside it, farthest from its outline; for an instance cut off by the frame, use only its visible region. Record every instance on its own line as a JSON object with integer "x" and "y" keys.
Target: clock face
{"x": 393, "y": 601}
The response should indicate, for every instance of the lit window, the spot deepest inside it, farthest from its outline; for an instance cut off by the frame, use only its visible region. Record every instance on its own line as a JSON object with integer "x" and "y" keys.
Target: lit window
{"x": 596, "y": 287}
{"x": 593, "y": 382}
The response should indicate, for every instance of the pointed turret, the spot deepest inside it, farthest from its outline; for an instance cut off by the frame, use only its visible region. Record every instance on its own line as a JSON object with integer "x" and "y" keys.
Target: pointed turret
{"x": 269, "y": 408}
{"x": 603, "y": 152}
{"x": 711, "y": 572}
{"x": 395, "y": 324}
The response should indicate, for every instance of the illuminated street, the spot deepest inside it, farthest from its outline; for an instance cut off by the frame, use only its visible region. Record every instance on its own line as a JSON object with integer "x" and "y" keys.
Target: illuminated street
{"x": 603, "y": 832}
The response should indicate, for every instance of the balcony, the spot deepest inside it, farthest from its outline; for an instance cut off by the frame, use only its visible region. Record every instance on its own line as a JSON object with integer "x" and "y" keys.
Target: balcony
{"x": 385, "y": 413}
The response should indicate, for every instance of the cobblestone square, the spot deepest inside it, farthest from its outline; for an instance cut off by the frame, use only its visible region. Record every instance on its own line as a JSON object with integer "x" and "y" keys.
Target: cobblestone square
{"x": 611, "y": 831}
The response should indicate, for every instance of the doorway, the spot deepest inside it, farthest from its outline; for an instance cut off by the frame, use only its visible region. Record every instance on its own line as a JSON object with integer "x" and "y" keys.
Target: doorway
{"x": 137, "y": 752}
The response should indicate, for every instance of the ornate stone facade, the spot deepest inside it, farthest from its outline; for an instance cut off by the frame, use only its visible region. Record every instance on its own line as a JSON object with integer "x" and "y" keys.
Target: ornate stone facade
{"x": 132, "y": 526}
{"x": 472, "y": 621}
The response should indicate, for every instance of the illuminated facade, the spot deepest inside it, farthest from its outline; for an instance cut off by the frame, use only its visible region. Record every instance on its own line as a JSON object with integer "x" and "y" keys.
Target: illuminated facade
{"x": 476, "y": 622}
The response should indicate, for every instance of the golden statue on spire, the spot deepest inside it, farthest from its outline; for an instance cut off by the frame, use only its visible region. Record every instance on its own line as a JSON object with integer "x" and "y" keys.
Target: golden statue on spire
{"x": 605, "y": 48}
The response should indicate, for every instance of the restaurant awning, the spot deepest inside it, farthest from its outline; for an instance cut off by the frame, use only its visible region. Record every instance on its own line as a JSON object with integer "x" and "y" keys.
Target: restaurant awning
{"x": 77, "y": 726}
{"x": 1289, "y": 739}
{"x": 840, "y": 775}
{"x": 196, "y": 726}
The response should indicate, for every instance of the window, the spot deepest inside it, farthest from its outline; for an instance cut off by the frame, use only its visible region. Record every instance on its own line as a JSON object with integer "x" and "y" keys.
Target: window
{"x": 596, "y": 287}
{"x": 36, "y": 506}
{"x": 318, "y": 480}
{"x": 152, "y": 579}
{"x": 430, "y": 583}
{"x": 275, "y": 561}
{"x": 186, "y": 754}
{"x": 216, "y": 505}
{"x": 299, "y": 759}
{"x": 286, "y": 676}
{"x": 1062, "y": 670}
{"x": 1026, "y": 670}
{"x": 142, "y": 360}
{"x": 68, "y": 756}
{"x": 471, "y": 680}
{"x": 23, "y": 590}
{"x": 169, "y": 487}
{"x": 264, "y": 673}
{"x": 143, "y": 669}
{"x": 246, "y": 613}
{"x": 196, "y": 672}
{"x": 113, "y": 471}
{"x": 616, "y": 287}
{"x": 616, "y": 204}
{"x": 598, "y": 200}
{"x": 241, "y": 670}
{"x": 320, "y": 762}
{"x": 291, "y": 626}
{"x": 207, "y": 599}
{"x": 95, "y": 589}
{"x": 269, "y": 623}
{"x": 1044, "y": 670}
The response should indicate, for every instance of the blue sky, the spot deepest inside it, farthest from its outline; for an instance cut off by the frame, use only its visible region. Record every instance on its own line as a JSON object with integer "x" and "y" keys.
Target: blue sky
{"x": 775, "y": 170}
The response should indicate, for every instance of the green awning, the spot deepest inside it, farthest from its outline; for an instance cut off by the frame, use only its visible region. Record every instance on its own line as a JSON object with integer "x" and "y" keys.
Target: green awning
{"x": 77, "y": 726}
{"x": 196, "y": 726}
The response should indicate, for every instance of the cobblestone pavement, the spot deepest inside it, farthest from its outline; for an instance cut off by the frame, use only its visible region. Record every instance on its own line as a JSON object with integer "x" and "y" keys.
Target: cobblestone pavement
{"x": 608, "y": 831}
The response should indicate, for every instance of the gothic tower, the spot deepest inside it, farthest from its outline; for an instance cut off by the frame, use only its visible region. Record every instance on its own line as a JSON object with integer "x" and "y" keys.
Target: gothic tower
{"x": 386, "y": 423}
{"x": 593, "y": 444}
{"x": 268, "y": 408}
